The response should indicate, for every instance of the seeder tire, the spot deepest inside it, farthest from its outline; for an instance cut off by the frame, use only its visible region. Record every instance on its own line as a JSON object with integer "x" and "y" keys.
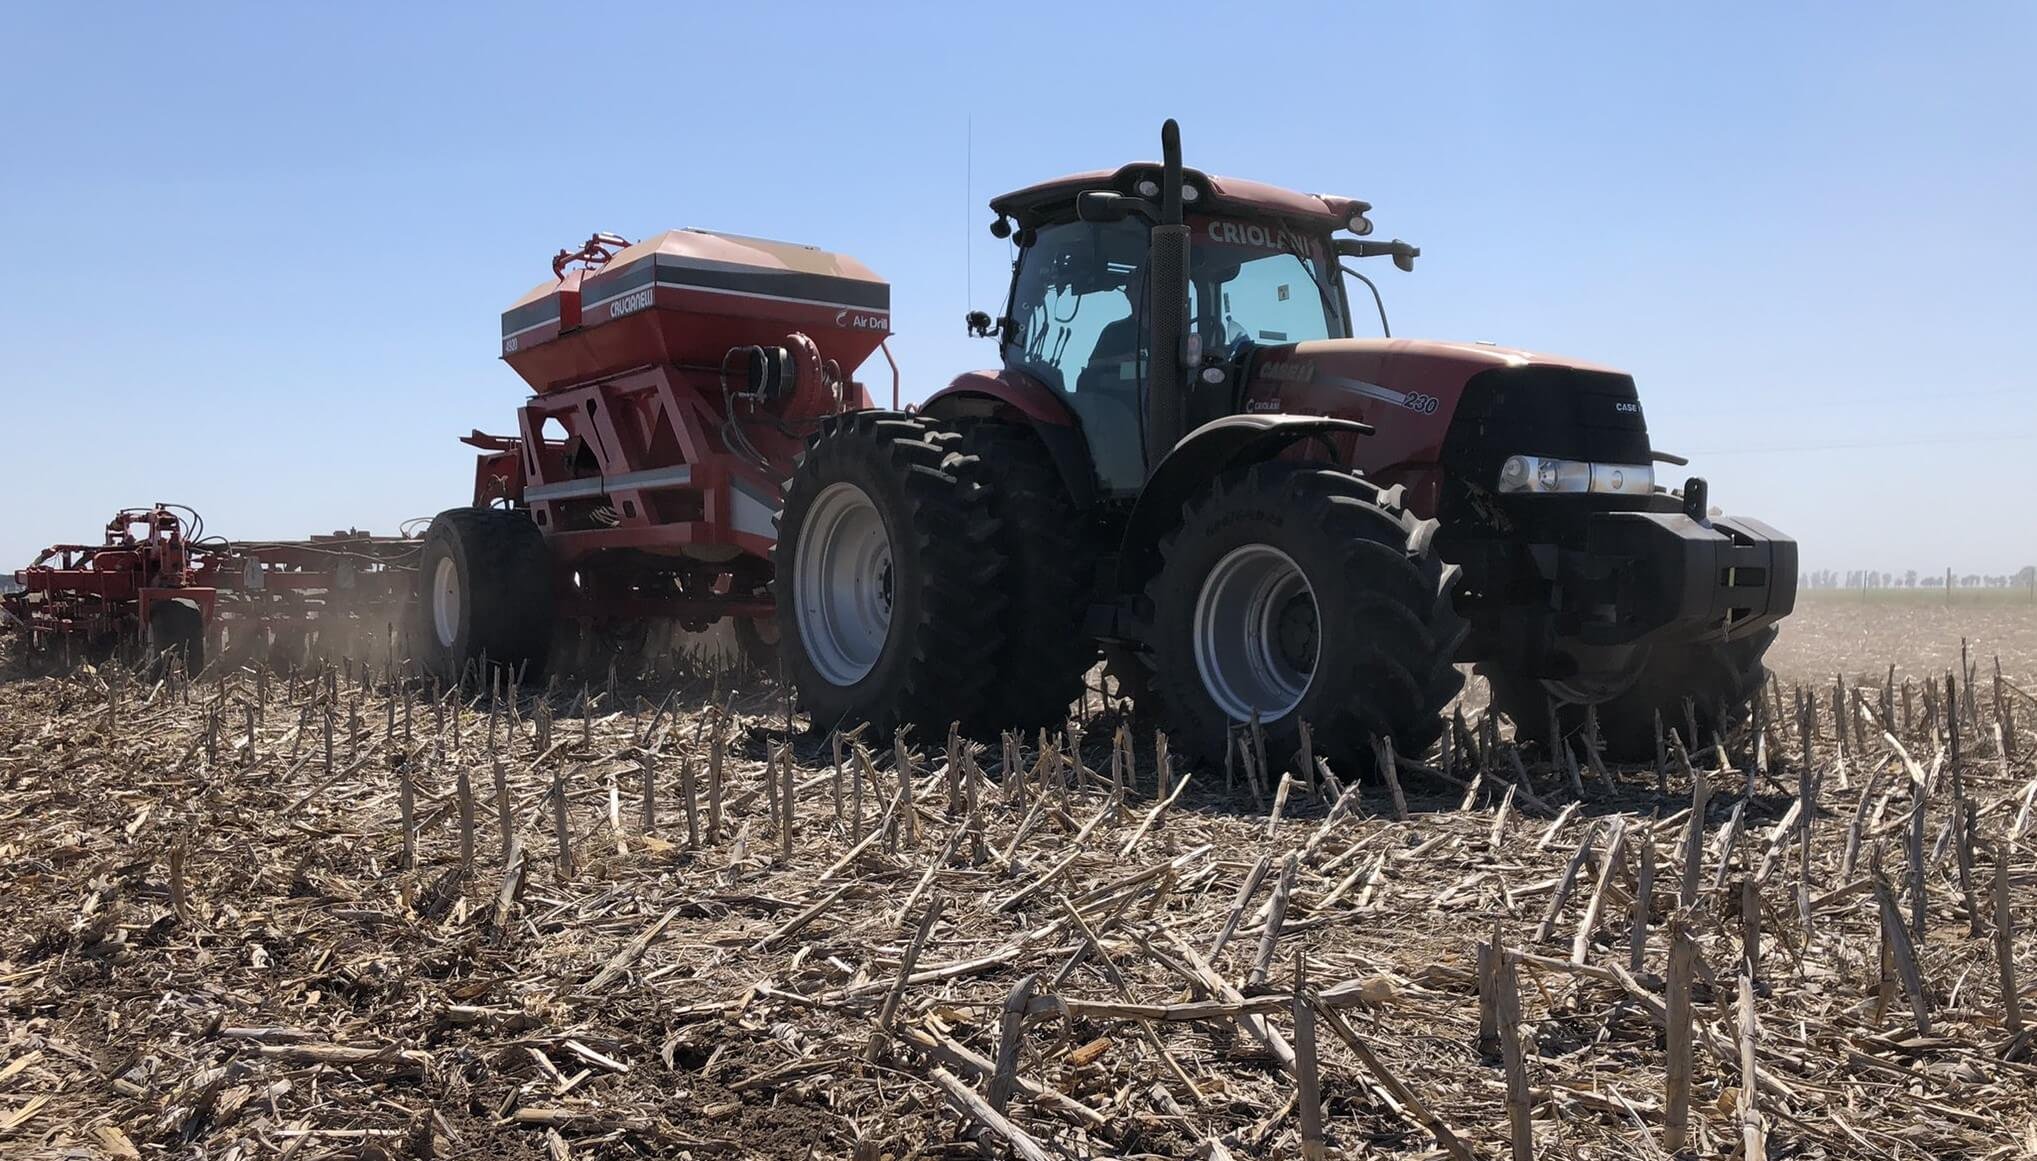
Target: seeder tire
{"x": 484, "y": 591}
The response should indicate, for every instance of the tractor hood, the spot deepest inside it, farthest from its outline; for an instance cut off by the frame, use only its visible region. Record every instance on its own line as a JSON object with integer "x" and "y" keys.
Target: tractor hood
{"x": 1464, "y": 406}
{"x": 1419, "y": 363}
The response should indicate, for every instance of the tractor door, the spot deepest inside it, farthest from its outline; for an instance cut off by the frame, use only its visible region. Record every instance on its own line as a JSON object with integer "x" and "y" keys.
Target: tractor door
{"x": 1079, "y": 327}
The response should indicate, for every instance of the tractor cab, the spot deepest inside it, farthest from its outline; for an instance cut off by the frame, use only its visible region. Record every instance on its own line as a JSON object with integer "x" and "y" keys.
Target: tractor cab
{"x": 1261, "y": 272}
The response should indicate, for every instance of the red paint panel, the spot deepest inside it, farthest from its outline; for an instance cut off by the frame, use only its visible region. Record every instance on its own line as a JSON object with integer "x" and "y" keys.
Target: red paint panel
{"x": 1011, "y": 389}
{"x": 1407, "y": 389}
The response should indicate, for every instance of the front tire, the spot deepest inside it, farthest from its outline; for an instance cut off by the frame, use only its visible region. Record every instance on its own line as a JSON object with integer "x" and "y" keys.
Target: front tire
{"x": 1720, "y": 679}
{"x": 889, "y": 580}
{"x": 484, "y": 591}
{"x": 1308, "y": 595}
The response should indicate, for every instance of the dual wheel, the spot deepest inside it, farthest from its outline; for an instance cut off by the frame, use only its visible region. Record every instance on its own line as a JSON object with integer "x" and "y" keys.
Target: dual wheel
{"x": 931, "y": 574}
{"x": 891, "y": 576}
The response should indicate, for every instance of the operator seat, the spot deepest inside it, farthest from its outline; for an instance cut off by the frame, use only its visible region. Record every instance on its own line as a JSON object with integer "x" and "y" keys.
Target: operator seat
{"x": 1106, "y": 402}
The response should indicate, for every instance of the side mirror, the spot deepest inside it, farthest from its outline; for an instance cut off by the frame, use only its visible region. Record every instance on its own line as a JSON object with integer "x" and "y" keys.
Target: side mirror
{"x": 1099, "y": 205}
{"x": 1403, "y": 255}
{"x": 978, "y": 323}
{"x": 1102, "y": 206}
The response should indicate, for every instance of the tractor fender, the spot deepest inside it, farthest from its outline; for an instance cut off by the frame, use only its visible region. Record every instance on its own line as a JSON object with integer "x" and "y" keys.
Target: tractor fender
{"x": 1216, "y": 447}
{"x": 998, "y": 393}
{"x": 1013, "y": 397}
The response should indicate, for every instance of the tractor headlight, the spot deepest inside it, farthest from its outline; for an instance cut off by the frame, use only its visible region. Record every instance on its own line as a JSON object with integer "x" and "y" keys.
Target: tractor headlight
{"x": 1540, "y": 474}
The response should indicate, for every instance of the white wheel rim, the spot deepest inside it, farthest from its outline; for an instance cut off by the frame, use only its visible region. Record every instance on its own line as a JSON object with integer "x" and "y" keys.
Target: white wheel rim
{"x": 842, "y": 584}
{"x": 1256, "y": 633}
{"x": 445, "y": 601}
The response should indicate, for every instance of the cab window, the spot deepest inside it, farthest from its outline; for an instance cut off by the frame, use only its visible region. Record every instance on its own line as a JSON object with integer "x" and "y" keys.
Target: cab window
{"x": 1261, "y": 283}
{"x": 1073, "y": 307}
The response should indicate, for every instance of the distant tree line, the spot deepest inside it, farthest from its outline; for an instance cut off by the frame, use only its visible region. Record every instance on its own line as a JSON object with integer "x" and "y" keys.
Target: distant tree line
{"x": 1867, "y": 578}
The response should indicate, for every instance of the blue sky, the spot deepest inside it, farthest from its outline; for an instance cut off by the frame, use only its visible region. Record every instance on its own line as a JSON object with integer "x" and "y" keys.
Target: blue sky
{"x": 257, "y": 254}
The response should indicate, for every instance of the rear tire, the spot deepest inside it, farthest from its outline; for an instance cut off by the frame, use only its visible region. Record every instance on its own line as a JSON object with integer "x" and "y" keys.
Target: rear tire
{"x": 1312, "y": 596}
{"x": 1046, "y": 654}
{"x": 889, "y": 579}
{"x": 176, "y": 625}
{"x": 1721, "y": 680}
{"x": 484, "y": 589}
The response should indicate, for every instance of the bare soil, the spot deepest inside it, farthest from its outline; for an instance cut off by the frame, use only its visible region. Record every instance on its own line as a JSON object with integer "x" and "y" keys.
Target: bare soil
{"x": 1918, "y": 632}
{"x": 220, "y": 939}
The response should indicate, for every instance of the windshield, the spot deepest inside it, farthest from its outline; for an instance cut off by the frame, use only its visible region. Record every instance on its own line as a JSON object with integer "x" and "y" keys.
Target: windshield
{"x": 1260, "y": 282}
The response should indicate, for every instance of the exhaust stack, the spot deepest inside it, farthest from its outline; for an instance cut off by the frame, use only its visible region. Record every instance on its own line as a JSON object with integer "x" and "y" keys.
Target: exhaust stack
{"x": 1167, "y": 305}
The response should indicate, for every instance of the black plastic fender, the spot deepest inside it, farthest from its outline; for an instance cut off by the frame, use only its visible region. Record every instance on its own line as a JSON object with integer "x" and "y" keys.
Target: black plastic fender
{"x": 1216, "y": 447}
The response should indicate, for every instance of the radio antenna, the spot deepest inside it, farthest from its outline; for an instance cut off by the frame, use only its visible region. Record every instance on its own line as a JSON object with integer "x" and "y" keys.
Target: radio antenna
{"x": 968, "y": 210}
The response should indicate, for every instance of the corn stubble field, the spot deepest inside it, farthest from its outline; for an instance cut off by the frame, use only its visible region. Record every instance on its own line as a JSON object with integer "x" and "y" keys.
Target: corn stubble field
{"x": 317, "y": 914}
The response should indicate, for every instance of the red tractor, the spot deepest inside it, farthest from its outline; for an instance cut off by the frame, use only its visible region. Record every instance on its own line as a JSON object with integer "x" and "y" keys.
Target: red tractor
{"x": 1188, "y": 462}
